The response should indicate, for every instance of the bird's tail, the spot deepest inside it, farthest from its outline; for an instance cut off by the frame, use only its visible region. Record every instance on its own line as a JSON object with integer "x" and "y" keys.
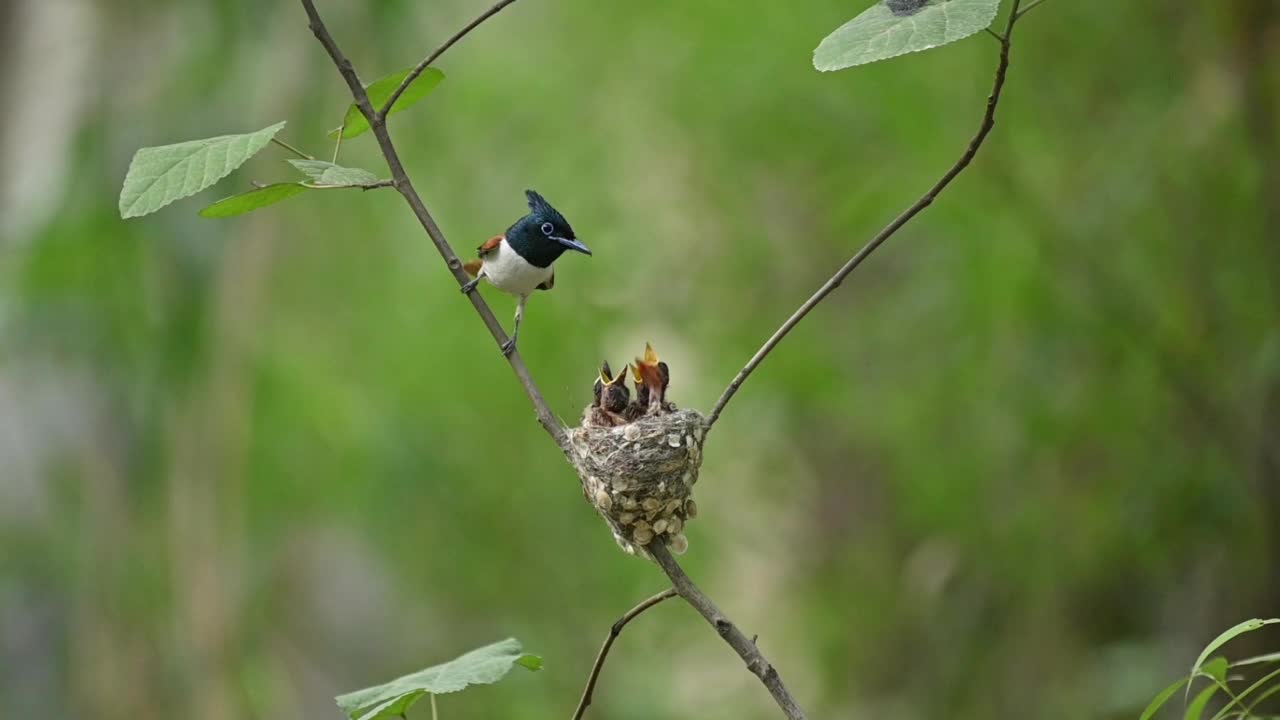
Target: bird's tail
{"x": 472, "y": 267}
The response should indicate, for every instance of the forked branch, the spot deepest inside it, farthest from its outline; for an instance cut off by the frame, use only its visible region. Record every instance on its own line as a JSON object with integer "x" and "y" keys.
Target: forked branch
{"x": 984, "y": 129}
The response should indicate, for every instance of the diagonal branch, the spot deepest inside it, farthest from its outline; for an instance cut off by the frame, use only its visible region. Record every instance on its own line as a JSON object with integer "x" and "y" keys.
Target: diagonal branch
{"x": 988, "y": 122}
{"x": 400, "y": 180}
{"x": 741, "y": 644}
{"x": 614, "y": 632}
{"x": 417, "y": 69}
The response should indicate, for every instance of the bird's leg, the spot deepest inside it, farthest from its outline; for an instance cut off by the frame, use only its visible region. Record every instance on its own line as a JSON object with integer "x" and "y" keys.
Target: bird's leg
{"x": 466, "y": 289}
{"x": 510, "y": 345}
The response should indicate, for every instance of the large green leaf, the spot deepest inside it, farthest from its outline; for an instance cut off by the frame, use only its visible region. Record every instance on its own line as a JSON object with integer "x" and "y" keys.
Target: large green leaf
{"x": 159, "y": 175}
{"x": 483, "y": 666}
{"x": 380, "y": 90}
{"x": 252, "y": 200}
{"x": 326, "y": 173}
{"x": 881, "y": 32}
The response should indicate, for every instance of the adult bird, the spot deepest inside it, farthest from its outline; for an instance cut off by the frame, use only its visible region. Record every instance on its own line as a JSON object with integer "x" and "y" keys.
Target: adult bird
{"x": 521, "y": 260}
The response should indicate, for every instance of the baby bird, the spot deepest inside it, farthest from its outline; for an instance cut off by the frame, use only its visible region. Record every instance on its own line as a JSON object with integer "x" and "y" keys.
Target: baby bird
{"x": 652, "y": 376}
{"x": 611, "y": 398}
{"x": 520, "y": 260}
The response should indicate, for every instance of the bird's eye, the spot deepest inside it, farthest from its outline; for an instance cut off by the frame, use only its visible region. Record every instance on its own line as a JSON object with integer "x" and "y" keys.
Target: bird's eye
{"x": 548, "y": 228}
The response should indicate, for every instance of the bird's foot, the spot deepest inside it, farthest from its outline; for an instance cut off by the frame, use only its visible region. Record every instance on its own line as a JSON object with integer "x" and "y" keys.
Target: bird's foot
{"x": 465, "y": 289}
{"x": 508, "y": 347}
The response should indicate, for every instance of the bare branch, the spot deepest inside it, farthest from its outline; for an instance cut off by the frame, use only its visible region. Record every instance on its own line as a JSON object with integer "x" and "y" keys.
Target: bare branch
{"x": 614, "y": 632}
{"x": 401, "y": 182}
{"x": 988, "y": 122}
{"x": 417, "y": 69}
{"x": 741, "y": 644}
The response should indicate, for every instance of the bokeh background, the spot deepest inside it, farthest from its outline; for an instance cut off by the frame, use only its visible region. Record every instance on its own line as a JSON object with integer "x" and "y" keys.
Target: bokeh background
{"x": 1024, "y": 463}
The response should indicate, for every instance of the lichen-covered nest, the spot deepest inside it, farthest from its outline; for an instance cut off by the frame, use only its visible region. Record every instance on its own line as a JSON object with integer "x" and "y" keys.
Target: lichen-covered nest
{"x": 639, "y": 476}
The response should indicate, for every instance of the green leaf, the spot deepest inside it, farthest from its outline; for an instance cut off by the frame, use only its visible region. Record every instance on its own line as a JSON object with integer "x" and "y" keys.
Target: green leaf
{"x": 326, "y": 173}
{"x": 1258, "y": 659}
{"x": 1216, "y": 669}
{"x": 159, "y": 175}
{"x": 1239, "y": 699}
{"x": 1163, "y": 697}
{"x": 252, "y": 200}
{"x": 483, "y": 666}
{"x": 1196, "y": 708}
{"x": 1245, "y": 627}
{"x": 380, "y": 90}
{"x": 879, "y": 33}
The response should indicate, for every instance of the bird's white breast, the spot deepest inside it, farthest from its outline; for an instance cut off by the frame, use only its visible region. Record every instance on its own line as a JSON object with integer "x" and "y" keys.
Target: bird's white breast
{"x": 507, "y": 271}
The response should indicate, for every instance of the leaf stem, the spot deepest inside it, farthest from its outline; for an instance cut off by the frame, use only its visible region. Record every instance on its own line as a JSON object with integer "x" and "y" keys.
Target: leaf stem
{"x": 338, "y": 145}
{"x": 291, "y": 149}
{"x": 435, "y": 714}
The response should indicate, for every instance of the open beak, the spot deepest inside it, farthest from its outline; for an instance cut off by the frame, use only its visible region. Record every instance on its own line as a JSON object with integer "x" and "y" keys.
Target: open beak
{"x": 573, "y": 245}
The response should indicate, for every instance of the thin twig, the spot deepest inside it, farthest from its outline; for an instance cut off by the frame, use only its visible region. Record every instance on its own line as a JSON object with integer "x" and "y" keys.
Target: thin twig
{"x": 1030, "y": 6}
{"x": 741, "y": 644}
{"x": 988, "y": 122}
{"x": 614, "y": 632}
{"x": 402, "y": 183}
{"x": 417, "y": 69}
{"x": 291, "y": 149}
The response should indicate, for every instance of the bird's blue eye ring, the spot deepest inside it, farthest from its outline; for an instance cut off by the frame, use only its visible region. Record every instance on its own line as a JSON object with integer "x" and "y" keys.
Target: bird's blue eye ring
{"x": 547, "y": 229}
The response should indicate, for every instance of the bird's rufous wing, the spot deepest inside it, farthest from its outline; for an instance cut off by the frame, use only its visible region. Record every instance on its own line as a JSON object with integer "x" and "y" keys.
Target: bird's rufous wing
{"x": 489, "y": 245}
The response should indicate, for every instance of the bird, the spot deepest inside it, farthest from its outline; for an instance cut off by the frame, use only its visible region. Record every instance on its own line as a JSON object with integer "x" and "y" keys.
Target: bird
{"x": 652, "y": 376}
{"x": 521, "y": 260}
{"x": 610, "y": 398}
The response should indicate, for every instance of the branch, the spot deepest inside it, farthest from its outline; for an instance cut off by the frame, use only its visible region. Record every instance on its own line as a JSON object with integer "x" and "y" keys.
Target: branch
{"x": 417, "y": 69}
{"x": 988, "y": 122}
{"x": 614, "y": 632}
{"x": 400, "y": 180}
{"x": 741, "y": 644}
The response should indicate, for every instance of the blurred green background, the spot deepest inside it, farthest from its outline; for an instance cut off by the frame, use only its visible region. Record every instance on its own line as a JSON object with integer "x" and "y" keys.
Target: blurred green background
{"x": 1025, "y": 463}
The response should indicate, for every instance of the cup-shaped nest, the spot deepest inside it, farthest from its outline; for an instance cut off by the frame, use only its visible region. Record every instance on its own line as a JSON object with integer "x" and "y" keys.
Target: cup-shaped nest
{"x": 640, "y": 476}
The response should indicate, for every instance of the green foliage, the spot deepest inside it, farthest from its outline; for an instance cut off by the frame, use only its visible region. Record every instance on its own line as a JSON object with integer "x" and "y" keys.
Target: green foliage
{"x": 483, "y": 666}
{"x": 879, "y": 33}
{"x": 354, "y": 123}
{"x": 328, "y": 174}
{"x": 159, "y": 175}
{"x": 1215, "y": 669}
{"x": 252, "y": 200}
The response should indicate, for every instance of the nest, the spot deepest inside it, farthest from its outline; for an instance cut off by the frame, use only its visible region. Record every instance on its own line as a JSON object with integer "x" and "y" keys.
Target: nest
{"x": 639, "y": 476}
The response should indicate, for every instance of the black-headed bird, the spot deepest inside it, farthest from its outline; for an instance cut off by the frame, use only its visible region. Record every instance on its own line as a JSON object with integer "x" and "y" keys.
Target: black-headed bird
{"x": 521, "y": 260}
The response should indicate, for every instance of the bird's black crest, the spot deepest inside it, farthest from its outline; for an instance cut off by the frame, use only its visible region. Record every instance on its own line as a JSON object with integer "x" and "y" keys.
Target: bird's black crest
{"x": 539, "y": 207}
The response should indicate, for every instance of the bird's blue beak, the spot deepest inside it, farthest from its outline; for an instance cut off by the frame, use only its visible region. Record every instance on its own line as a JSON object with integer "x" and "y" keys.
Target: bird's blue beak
{"x": 573, "y": 245}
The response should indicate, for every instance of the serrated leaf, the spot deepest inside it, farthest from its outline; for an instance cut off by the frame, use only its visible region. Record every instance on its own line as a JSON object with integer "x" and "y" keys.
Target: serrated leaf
{"x": 159, "y": 175}
{"x": 1226, "y": 637}
{"x": 326, "y": 173}
{"x": 252, "y": 200}
{"x": 379, "y": 91}
{"x": 879, "y": 33}
{"x": 482, "y": 666}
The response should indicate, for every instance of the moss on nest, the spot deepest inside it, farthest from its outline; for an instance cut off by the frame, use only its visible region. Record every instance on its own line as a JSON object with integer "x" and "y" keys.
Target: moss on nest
{"x": 640, "y": 476}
